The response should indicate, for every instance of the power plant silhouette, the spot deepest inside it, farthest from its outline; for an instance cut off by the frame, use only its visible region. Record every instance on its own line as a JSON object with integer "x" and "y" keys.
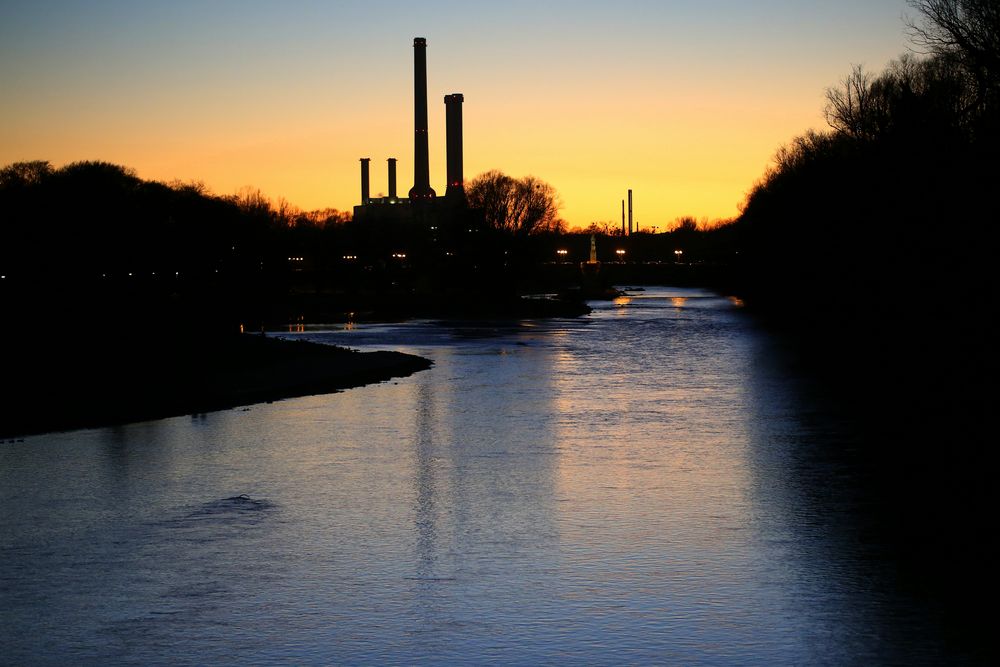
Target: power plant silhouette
{"x": 423, "y": 204}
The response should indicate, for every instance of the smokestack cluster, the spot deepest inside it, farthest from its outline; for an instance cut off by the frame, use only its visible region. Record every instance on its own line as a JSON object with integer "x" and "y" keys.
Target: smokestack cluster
{"x": 421, "y": 189}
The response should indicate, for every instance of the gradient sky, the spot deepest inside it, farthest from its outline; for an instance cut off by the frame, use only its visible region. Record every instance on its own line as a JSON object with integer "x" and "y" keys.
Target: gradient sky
{"x": 684, "y": 102}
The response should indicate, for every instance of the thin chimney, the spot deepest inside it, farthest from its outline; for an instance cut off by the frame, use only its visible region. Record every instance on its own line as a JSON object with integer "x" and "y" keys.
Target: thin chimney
{"x": 630, "y": 212}
{"x": 453, "y": 118}
{"x": 421, "y": 160}
{"x": 364, "y": 181}
{"x": 392, "y": 179}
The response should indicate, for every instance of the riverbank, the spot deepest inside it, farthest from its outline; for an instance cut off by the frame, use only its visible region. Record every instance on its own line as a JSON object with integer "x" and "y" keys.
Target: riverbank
{"x": 398, "y": 305}
{"x": 91, "y": 381}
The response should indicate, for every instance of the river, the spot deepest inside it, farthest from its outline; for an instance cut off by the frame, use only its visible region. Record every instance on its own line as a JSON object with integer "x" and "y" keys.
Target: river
{"x": 656, "y": 483}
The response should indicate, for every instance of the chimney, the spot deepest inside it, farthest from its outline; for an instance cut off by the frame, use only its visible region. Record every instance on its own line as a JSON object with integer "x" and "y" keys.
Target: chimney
{"x": 453, "y": 117}
{"x": 630, "y": 212}
{"x": 364, "y": 180}
{"x": 421, "y": 162}
{"x": 623, "y": 217}
{"x": 392, "y": 179}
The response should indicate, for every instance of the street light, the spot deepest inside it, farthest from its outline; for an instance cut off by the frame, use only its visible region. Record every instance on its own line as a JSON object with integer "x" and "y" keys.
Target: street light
{"x": 677, "y": 255}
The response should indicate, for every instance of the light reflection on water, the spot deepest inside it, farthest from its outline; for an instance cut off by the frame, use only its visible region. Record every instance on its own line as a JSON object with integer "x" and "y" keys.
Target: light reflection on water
{"x": 644, "y": 485}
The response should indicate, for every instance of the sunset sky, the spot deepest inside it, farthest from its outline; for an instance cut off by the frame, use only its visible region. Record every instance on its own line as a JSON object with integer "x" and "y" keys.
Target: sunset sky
{"x": 684, "y": 102}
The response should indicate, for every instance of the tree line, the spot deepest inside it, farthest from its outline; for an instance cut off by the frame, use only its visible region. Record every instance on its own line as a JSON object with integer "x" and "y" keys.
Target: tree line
{"x": 896, "y": 198}
{"x": 97, "y": 221}
{"x": 875, "y": 241}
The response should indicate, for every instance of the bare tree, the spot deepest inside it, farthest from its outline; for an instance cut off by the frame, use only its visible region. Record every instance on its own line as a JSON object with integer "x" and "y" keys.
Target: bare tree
{"x": 855, "y": 107}
{"x": 25, "y": 173}
{"x": 685, "y": 223}
{"x": 286, "y": 212}
{"x": 541, "y": 205}
{"x": 606, "y": 227}
{"x": 969, "y": 29}
{"x": 190, "y": 187}
{"x": 519, "y": 206}
{"x": 252, "y": 201}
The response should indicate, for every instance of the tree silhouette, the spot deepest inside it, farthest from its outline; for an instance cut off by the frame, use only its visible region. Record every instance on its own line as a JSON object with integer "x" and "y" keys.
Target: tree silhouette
{"x": 967, "y": 28}
{"x": 517, "y": 206}
{"x": 22, "y": 174}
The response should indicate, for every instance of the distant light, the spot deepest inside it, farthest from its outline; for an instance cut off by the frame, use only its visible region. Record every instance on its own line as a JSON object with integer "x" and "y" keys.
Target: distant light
{"x": 130, "y": 273}
{"x": 619, "y": 252}
{"x": 562, "y": 252}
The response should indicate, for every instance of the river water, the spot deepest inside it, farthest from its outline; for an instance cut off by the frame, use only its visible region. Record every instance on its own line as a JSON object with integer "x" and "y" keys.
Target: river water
{"x": 655, "y": 483}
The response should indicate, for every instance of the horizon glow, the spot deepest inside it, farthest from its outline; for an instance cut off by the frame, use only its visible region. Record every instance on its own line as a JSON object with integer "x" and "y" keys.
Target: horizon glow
{"x": 684, "y": 102}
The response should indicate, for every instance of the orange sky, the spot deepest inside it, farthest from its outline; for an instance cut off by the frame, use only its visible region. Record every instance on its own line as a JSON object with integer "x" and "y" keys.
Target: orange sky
{"x": 684, "y": 102}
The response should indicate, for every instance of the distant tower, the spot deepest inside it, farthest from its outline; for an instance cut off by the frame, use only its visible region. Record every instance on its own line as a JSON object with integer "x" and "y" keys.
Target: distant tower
{"x": 421, "y": 189}
{"x": 591, "y": 269}
{"x": 630, "y": 211}
{"x": 623, "y": 217}
{"x": 365, "y": 198}
{"x": 453, "y": 119}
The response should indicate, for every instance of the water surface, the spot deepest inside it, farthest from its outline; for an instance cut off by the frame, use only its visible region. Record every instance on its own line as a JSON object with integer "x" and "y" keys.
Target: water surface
{"x": 653, "y": 483}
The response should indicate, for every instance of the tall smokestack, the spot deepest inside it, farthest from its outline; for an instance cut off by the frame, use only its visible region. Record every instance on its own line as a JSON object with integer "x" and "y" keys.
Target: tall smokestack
{"x": 364, "y": 180}
{"x": 453, "y": 118}
{"x": 392, "y": 179}
{"x": 623, "y": 217}
{"x": 421, "y": 161}
{"x": 630, "y": 212}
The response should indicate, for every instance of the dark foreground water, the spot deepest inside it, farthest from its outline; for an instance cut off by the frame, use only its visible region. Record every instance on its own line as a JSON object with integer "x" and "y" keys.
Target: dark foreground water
{"x": 652, "y": 484}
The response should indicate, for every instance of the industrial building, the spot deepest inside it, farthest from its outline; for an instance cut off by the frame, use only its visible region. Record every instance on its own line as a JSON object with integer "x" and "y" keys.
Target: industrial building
{"x": 423, "y": 205}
